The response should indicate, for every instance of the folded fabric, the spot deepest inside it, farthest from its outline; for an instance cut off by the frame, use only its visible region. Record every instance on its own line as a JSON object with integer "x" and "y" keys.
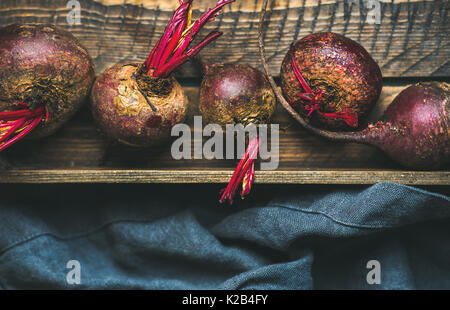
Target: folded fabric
{"x": 141, "y": 236}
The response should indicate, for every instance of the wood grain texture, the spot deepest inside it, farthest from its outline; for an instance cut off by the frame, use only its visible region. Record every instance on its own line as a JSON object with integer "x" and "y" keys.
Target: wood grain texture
{"x": 411, "y": 40}
{"x": 220, "y": 176}
{"x": 80, "y": 154}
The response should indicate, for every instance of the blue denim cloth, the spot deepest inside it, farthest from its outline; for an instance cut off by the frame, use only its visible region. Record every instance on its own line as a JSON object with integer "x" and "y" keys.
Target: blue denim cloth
{"x": 179, "y": 237}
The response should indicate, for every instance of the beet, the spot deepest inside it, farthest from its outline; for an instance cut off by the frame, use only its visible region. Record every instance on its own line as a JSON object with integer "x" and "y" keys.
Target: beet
{"x": 237, "y": 94}
{"x": 138, "y": 103}
{"x": 332, "y": 81}
{"x": 414, "y": 129}
{"x": 121, "y": 107}
{"x": 45, "y": 76}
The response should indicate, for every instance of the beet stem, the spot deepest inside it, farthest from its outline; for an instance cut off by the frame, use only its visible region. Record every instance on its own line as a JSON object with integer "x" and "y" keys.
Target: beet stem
{"x": 21, "y": 123}
{"x": 13, "y": 127}
{"x": 149, "y": 62}
{"x": 175, "y": 62}
{"x": 29, "y": 126}
{"x": 358, "y": 136}
{"x": 248, "y": 181}
{"x": 297, "y": 73}
{"x": 174, "y": 41}
{"x": 13, "y": 115}
{"x": 178, "y": 17}
{"x": 170, "y": 51}
{"x": 244, "y": 170}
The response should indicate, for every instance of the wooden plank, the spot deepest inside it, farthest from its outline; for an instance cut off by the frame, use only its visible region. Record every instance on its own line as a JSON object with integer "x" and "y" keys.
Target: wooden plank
{"x": 220, "y": 176}
{"x": 79, "y": 144}
{"x": 411, "y": 39}
{"x": 79, "y": 154}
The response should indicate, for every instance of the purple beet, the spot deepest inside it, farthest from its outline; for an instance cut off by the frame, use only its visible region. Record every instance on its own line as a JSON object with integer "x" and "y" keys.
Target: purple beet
{"x": 331, "y": 80}
{"x": 414, "y": 130}
{"x": 236, "y": 94}
{"x": 45, "y": 77}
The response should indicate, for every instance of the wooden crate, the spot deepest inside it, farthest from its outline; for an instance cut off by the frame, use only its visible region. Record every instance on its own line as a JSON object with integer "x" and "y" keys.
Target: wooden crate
{"x": 410, "y": 44}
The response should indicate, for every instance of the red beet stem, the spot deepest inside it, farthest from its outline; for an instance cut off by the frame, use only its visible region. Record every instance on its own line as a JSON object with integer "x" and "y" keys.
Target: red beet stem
{"x": 178, "y": 18}
{"x": 297, "y": 73}
{"x": 170, "y": 51}
{"x": 351, "y": 118}
{"x": 173, "y": 41}
{"x": 358, "y": 136}
{"x": 248, "y": 181}
{"x": 244, "y": 170}
{"x": 13, "y": 126}
{"x": 20, "y": 122}
{"x": 305, "y": 96}
{"x": 175, "y": 62}
{"x": 206, "y": 17}
{"x": 13, "y": 115}
{"x": 149, "y": 63}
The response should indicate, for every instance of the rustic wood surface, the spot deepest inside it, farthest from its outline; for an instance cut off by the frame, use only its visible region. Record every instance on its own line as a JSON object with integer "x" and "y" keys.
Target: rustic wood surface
{"x": 79, "y": 153}
{"x": 220, "y": 176}
{"x": 411, "y": 39}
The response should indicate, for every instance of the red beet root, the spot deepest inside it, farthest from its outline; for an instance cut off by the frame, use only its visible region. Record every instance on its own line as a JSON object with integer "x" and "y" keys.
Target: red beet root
{"x": 414, "y": 129}
{"x": 45, "y": 77}
{"x": 237, "y": 94}
{"x": 331, "y": 80}
{"x": 138, "y": 104}
{"x": 121, "y": 106}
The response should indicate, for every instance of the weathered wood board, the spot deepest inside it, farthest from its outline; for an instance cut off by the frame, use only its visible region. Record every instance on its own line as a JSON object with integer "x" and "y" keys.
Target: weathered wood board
{"x": 410, "y": 40}
{"x": 410, "y": 43}
{"x": 79, "y": 153}
{"x": 221, "y": 176}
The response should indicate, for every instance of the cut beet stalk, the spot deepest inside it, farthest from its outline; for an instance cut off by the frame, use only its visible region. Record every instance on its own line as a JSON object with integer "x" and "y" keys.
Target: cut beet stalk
{"x": 245, "y": 170}
{"x": 170, "y": 51}
{"x": 17, "y": 124}
{"x": 22, "y": 132}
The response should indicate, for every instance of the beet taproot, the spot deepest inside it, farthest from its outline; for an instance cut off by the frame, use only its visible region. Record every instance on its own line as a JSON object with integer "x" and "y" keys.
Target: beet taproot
{"x": 45, "y": 77}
